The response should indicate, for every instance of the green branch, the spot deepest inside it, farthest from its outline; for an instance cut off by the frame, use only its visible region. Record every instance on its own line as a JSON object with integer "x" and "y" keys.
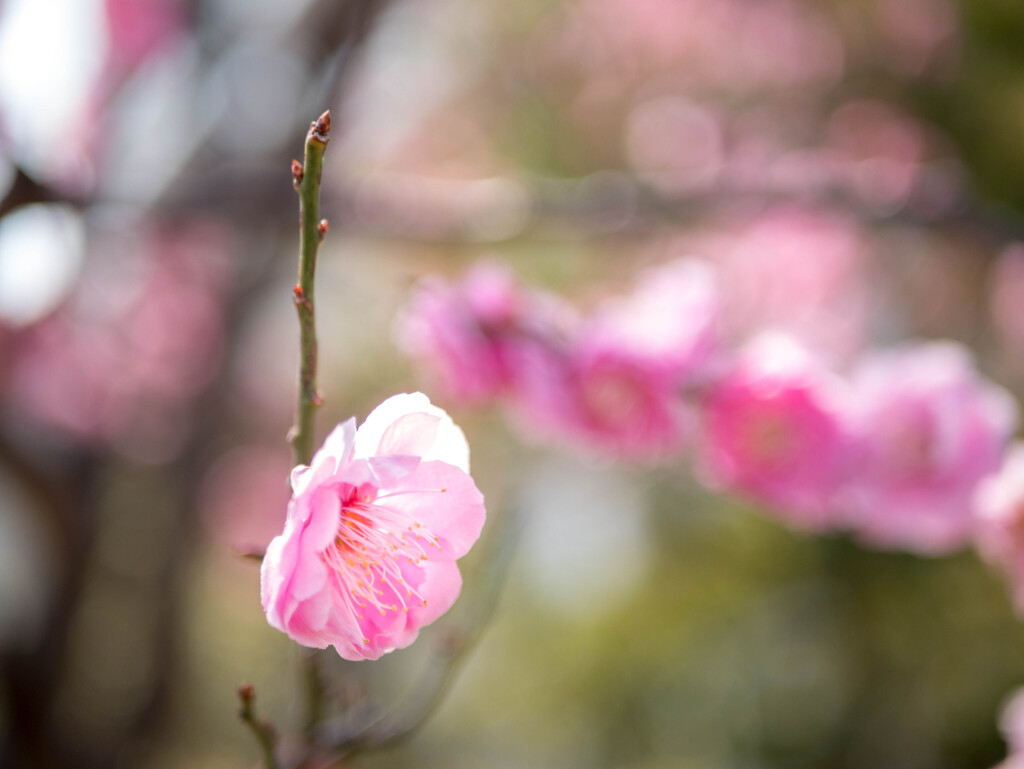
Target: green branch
{"x": 312, "y": 229}
{"x": 306, "y": 177}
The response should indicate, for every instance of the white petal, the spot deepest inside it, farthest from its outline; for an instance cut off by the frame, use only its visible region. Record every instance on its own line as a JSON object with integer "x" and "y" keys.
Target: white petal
{"x": 449, "y": 445}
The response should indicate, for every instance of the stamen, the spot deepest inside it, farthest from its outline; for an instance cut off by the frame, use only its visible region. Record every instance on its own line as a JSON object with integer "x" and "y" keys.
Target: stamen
{"x": 364, "y": 558}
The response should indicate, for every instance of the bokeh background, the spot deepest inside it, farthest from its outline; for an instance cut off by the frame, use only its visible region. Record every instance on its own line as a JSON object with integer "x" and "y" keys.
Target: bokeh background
{"x": 855, "y": 166}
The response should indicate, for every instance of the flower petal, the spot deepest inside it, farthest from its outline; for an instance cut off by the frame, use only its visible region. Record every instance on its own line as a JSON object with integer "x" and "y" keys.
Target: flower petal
{"x": 412, "y": 434}
{"x": 449, "y": 444}
{"x": 444, "y": 500}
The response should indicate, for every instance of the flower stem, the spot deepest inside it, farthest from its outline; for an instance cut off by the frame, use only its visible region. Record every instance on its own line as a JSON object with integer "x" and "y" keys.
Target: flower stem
{"x": 312, "y": 229}
{"x": 262, "y": 730}
{"x": 306, "y": 177}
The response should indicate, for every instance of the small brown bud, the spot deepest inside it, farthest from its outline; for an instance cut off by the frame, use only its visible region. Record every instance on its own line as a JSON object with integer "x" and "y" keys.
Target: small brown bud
{"x": 246, "y": 693}
{"x": 323, "y": 227}
{"x": 297, "y": 172}
{"x": 298, "y": 294}
{"x": 320, "y": 128}
{"x": 323, "y": 124}
{"x": 318, "y": 399}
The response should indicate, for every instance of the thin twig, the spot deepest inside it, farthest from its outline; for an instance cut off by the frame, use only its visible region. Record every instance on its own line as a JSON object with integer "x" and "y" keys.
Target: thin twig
{"x": 261, "y": 729}
{"x": 306, "y": 178}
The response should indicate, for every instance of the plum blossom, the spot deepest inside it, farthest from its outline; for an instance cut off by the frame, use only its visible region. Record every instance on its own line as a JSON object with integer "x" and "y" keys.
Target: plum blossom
{"x": 632, "y": 358}
{"x": 613, "y": 384}
{"x": 928, "y": 429}
{"x": 373, "y": 530}
{"x": 800, "y": 270}
{"x": 466, "y": 336}
{"x": 774, "y": 429}
{"x": 999, "y": 520}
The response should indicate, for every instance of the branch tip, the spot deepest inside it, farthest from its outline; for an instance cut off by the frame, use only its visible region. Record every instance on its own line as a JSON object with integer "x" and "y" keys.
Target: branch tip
{"x": 261, "y": 729}
{"x": 320, "y": 129}
{"x": 251, "y": 555}
{"x": 246, "y": 693}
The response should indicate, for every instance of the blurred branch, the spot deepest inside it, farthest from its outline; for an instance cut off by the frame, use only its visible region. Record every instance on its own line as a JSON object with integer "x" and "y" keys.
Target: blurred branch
{"x": 25, "y": 190}
{"x": 608, "y": 202}
{"x": 262, "y": 730}
{"x": 63, "y": 498}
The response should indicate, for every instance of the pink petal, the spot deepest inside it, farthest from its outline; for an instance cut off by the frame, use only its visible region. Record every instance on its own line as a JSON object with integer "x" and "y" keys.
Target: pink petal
{"x": 308, "y": 619}
{"x": 444, "y": 500}
{"x": 441, "y": 584}
{"x": 276, "y": 572}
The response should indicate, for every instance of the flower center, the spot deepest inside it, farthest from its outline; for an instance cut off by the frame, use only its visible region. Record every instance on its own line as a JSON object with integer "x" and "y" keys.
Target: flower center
{"x": 612, "y": 397}
{"x": 371, "y": 546}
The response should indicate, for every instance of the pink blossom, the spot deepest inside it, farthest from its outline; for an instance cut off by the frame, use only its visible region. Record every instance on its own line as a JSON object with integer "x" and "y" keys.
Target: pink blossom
{"x": 879, "y": 149}
{"x": 670, "y": 321}
{"x": 929, "y": 428}
{"x": 607, "y": 401}
{"x": 616, "y": 386}
{"x": 138, "y": 27}
{"x": 917, "y": 34}
{"x": 999, "y": 533}
{"x": 774, "y": 429}
{"x": 373, "y": 530}
{"x": 800, "y": 270}
{"x": 455, "y": 332}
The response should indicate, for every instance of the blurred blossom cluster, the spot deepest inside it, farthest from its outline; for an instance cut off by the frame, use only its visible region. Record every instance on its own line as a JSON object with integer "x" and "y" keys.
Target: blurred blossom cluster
{"x": 892, "y": 449}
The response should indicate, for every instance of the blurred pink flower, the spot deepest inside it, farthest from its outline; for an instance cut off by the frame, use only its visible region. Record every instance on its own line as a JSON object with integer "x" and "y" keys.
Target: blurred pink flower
{"x": 617, "y": 385}
{"x": 918, "y": 34}
{"x": 676, "y": 143}
{"x": 374, "y": 528}
{"x": 670, "y": 321}
{"x": 455, "y": 332}
{"x": 799, "y": 270}
{"x": 726, "y": 44}
{"x": 928, "y": 429}
{"x": 879, "y": 150}
{"x": 136, "y": 28}
{"x": 999, "y": 529}
{"x": 774, "y": 430}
